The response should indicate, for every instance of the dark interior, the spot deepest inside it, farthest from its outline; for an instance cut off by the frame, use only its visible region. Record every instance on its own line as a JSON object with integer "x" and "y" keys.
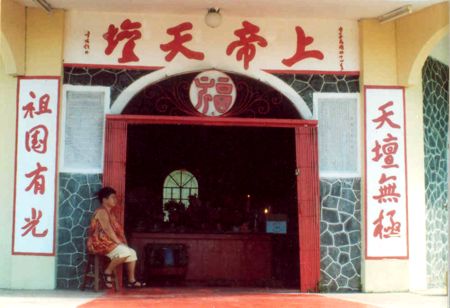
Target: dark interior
{"x": 241, "y": 171}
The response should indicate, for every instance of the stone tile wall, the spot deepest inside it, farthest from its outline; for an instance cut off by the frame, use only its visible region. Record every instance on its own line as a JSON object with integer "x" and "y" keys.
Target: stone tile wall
{"x": 116, "y": 79}
{"x": 307, "y": 85}
{"x": 435, "y": 78}
{"x": 340, "y": 235}
{"x": 76, "y": 205}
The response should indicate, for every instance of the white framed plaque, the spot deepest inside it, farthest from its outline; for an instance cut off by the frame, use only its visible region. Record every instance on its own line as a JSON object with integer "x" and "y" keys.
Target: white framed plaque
{"x": 386, "y": 199}
{"x": 36, "y": 165}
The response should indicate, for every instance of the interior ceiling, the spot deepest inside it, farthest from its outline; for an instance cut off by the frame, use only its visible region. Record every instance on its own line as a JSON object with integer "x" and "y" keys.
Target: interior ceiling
{"x": 342, "y": 9}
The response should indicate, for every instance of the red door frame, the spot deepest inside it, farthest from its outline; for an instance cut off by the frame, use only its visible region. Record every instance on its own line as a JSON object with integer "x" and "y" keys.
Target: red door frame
{"x": 308, "y": 194}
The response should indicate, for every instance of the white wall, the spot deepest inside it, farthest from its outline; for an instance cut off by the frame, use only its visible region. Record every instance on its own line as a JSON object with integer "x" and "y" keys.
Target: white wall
{"x": 441, "y": 51}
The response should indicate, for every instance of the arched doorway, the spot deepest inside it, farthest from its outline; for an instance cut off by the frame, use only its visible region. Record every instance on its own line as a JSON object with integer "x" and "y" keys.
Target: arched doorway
{"x": 259, "y": 105}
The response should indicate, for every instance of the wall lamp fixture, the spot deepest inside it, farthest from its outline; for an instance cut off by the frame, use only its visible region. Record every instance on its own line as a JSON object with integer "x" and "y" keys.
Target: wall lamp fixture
{"x": 397, "y": 13}
{"x": 213, "y": 18}
{"x": 44, "y": 5}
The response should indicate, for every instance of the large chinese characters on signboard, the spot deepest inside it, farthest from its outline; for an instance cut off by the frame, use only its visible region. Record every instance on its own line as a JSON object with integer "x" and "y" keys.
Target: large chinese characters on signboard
{"x": 386, "y": 186}
{"x": 185, "y": 41}
{"x": 36, "y": 155}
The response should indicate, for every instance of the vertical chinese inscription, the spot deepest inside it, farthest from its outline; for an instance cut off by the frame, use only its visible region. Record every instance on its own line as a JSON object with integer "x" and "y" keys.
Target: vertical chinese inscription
{"x": 386, "y": 188}
{"x": 37, "y": 114}
{"x": 87, "y": 42}
{"x": 341, "y": 47}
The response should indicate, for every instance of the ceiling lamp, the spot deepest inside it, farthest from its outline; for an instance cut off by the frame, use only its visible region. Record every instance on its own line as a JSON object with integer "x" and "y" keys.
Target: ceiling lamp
{"x": 397, "y": 13}
{"x": 213, "y": 18}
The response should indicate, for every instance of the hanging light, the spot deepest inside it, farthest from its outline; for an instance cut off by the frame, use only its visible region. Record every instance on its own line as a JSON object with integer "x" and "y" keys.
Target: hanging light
{"x": 213, "y": 18}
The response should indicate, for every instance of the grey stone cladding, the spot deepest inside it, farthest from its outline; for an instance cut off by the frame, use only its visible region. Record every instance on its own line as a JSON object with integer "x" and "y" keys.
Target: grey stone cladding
{"x": 116, "y": 79}
{"x": 76, "y": 205}
{"x": 307, "y": 85}
{"x": 435, "y": 81}
{"x": 340, "y": 235}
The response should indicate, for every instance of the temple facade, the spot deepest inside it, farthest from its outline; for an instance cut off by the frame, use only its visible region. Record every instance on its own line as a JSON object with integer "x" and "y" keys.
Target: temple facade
{"x": 329, "y": 136}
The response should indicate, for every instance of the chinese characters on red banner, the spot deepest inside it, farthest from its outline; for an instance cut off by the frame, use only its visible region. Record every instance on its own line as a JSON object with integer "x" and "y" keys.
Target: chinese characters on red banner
{"x": 245, "y": 47}
{"x": 385, "y": 177}
{"x": 36, "y": 165}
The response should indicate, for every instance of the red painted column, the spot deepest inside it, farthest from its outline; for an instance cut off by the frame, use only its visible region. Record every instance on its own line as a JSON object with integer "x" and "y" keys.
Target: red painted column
{"x": 115, "y": 160}
{"x": 308, "y": 191}
{"x": 115, "y": 165}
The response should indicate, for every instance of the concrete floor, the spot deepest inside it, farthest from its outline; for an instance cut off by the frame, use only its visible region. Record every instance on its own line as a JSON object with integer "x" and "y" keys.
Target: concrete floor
{"x": 215, "y": 297}
{"x": 397, "y": 300}
{"x": 45, "y": 298}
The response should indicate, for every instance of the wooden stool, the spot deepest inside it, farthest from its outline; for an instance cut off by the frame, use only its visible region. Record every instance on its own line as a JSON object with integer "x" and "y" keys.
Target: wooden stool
{"x": 94, "y": 270}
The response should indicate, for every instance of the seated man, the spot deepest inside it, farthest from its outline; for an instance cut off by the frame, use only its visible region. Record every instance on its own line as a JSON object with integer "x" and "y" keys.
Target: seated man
{"x": 106, "y": 237}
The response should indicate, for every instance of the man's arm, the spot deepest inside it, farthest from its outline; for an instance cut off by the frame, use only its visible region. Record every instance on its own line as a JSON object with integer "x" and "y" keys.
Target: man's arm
{"x": 103, "y": 218}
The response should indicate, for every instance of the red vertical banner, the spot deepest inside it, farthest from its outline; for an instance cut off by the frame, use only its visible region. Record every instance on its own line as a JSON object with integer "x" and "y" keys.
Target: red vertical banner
{"x": 308, "y": 190}
{"x": 386, "y": 200}
{"x": 36, "y": 166}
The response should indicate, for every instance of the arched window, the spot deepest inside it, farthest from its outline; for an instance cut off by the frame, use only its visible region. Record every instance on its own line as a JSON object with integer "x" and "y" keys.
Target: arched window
{"x": 179, "y": 185}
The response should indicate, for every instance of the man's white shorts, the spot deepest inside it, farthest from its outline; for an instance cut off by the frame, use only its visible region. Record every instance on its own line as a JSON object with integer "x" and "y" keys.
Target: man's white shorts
{"x": 123, "y": 251}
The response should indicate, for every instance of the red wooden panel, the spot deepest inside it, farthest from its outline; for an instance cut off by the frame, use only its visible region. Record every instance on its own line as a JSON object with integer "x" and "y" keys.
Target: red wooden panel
{"x": 115, "y": 160}
{"x": 211, "y": 121}
{"x": 308, "y": 224}
{"x": 308, "y": 191}
{"x": 115, "y": 165}
{"x": 229, "y": 257}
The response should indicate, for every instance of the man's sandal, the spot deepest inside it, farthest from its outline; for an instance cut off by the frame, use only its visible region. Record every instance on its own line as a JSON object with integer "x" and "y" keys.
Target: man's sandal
{"x": 107, "y": 280}
{"x": 136, "y": 284}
